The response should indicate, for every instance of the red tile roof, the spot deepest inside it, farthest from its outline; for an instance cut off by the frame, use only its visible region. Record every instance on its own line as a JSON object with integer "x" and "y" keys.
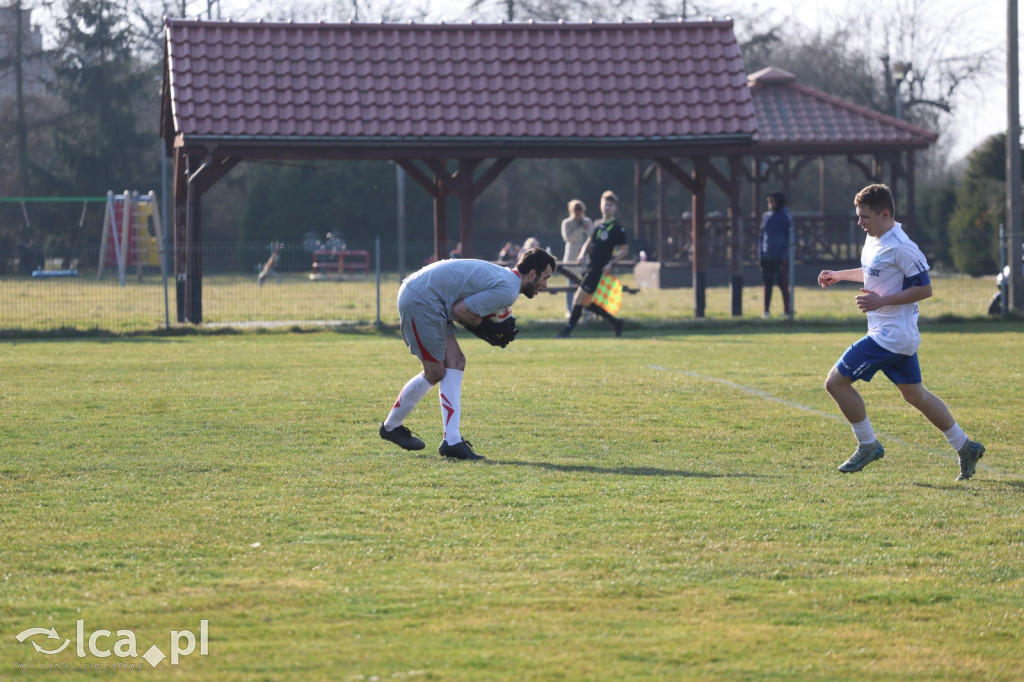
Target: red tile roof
{"x": 793, "y": 116}
{"x": 649, "y": 84}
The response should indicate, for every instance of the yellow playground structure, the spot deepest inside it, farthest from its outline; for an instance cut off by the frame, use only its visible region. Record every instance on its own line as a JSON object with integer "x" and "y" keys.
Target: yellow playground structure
{"x": 132, "y": 233}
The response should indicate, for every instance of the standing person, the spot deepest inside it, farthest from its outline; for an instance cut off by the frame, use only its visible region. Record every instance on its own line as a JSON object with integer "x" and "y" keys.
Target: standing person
{"x": 575, "y": 231}
{"x": 509, "y": 253}
{"x": 606, "y": 244}
{"x": 895, "y": 277}
{"x": 773, "y": 249}
{"x": 467, "y": 291}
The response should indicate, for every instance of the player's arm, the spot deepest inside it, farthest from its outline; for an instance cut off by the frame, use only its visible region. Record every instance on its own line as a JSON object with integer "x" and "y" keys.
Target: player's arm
{"x": 495, "y": 333}
{"x": 618, "y": 253}
{"x": 829, "y": 277}
{"x": 584, "y": 250}
{"x": 920, "y": 288}
{"x": 464, "y": 316}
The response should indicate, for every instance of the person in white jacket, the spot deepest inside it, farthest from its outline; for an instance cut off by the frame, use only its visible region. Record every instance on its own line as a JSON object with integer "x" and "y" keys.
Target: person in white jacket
{"x": 575, "y": 232}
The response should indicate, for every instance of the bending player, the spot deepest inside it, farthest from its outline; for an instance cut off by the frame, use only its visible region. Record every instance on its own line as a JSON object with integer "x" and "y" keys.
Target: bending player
{"x": 429, "y": 301}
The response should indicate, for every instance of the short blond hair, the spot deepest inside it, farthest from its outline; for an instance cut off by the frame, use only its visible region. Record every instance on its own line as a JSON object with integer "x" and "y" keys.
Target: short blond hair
{"x": 576, "y": 202}
{"x": 610, "y": 196}
{"x": 876, "y": 197}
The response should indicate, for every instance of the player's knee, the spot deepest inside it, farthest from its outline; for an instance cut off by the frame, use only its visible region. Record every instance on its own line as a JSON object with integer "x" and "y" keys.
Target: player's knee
{"x": 830, "y": 382}
{"x": 914, "y": 395}
{"x": 434, "y": 373}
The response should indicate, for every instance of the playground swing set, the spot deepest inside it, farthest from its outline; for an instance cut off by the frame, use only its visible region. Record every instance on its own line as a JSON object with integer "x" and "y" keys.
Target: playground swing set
{"x": 126, "y": 241}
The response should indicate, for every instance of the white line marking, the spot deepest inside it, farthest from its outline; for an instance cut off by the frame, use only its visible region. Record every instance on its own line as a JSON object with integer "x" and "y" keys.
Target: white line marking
{"x": 751, "y": 391}
{"x": 788, "y": 403}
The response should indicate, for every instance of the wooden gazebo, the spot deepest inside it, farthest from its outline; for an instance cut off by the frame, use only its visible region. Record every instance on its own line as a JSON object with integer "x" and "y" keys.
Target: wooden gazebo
{"x": 454, "y": 105}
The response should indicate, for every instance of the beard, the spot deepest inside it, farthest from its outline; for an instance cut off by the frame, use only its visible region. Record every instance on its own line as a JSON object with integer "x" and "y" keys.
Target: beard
{"x": 530, "y": 290}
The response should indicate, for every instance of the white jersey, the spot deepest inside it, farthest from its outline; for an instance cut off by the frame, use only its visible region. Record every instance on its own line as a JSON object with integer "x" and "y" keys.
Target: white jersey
{"x": 889, "y": 262}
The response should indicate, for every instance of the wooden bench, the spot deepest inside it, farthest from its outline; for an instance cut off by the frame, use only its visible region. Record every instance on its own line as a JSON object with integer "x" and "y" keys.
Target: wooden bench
{"x": 331, "y": 259}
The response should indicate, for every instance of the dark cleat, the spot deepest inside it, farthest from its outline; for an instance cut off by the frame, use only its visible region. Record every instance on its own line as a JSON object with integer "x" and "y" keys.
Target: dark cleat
{"x": 461, "y": 450}
{"x": 402, "y": 437}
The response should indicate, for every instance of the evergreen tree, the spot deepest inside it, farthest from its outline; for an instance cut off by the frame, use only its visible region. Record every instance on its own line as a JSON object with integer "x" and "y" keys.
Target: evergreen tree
{"x": 96, "y": 141}
{"x": 981, "y": 207}
{"x": 98, "y": 144}
{"x": 936, "y": 202}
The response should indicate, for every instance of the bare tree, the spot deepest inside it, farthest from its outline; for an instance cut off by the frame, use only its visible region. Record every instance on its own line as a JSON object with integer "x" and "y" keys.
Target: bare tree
{"x": 588, "y": 10}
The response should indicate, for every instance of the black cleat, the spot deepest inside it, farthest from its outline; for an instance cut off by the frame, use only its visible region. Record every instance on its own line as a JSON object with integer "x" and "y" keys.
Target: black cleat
{"x": 564, "y": 334}
{"x": 617, "y": 325}
{"x": 402, "y": 437}
{"x": 461, "y": 450}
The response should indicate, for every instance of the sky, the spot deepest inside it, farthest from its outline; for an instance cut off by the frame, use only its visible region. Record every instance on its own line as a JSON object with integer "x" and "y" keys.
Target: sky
{"x": 979, "y": 111}
{"x": 960, "y": 26}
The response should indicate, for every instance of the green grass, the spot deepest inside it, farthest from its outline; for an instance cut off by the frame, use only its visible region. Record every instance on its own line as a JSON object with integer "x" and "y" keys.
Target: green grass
{"x": 662, "y": 506}
{"x": 85, "y": 303}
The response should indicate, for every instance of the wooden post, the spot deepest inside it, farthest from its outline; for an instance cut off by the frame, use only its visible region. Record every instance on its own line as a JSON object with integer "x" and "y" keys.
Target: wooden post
{"x": 698, "y": 232}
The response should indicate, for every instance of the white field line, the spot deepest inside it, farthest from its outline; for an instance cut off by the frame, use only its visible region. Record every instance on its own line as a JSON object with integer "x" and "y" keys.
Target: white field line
{"x": 788, "y": 403}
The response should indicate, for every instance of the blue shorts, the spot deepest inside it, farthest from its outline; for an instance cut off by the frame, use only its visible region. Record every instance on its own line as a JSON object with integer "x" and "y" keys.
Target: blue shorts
{"x": 864, "y": 358}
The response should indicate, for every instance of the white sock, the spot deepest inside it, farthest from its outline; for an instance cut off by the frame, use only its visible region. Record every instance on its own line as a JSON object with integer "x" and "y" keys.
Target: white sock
{"x": 955, "y": 437}
{"x": 411, "y": 395}
{"x": 451, "y": 405}
{"x": 864, "y": 433}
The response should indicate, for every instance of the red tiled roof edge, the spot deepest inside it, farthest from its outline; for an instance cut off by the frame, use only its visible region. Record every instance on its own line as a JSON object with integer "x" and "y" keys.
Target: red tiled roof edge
{"x": 692, "y": 88}
{"x": 930, "y": 135}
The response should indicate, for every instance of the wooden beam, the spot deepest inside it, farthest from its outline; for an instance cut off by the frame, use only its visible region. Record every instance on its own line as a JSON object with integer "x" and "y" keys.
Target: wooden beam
{"x": 421, "y": 178}
{"x": 679, "y": 174}
{"x": 698, "y": 231}
{"x": 180, "y": 221}
{"x": 711, "y": 171}
{"x": 857, "y": 163}
{"x": 464, "y": 176}
{"x": 441, "y": 174}
{"x": 459, "y": 183}
{"x": 491, "y": 174}
{"x": 736, "y": 235}
{"x": 213, "y": 170}
{"x": 440, "y": 218}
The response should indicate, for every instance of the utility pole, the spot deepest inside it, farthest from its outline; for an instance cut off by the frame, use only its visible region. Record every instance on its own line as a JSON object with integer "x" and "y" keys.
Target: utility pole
{"x": 1013, "y": 172}
{"x": 19, "y": 84}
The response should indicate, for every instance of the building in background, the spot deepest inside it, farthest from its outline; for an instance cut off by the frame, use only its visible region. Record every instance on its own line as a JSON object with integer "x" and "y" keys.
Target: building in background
{"x": 35, "y": 62}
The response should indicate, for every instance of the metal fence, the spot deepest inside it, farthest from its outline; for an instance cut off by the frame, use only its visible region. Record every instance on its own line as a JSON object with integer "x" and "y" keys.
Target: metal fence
{"x": 39, "y": 292}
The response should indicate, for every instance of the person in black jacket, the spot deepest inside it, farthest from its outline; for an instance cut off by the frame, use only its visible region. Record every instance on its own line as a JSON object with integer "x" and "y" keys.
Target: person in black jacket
{"x": 773, "y": 249}
{"x": 606, "y": 244}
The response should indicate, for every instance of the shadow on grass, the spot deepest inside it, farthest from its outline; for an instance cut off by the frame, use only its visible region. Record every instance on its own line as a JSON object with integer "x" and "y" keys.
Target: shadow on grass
{"x": 1012, "y": 485}
{"x": 618, "y": 471}
{"x": 723, "y": 327}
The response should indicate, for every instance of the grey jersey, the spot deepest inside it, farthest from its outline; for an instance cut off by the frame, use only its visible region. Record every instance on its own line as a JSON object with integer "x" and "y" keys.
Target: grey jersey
{"x": 486, "y": 287}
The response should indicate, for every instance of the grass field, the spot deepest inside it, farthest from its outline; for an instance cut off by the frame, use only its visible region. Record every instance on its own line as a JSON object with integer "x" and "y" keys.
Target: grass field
{"x": 661, "y": 506}
{"x": 85, "y": 303}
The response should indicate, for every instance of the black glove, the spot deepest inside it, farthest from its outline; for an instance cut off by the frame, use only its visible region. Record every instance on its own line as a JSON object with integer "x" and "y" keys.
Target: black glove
{"x": 496, "y": 333}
